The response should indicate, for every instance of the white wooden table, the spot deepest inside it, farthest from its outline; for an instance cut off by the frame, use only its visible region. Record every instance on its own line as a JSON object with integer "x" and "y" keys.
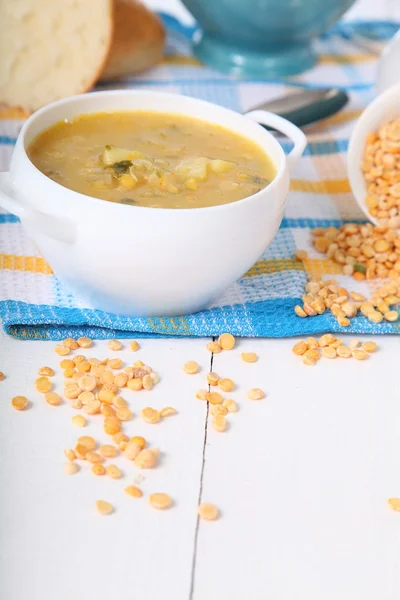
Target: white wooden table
{"x": 301, "y": 478}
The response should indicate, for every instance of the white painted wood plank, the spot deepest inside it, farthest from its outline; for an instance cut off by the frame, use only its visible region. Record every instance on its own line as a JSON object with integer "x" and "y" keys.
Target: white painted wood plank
{"x": 302, "y": 479}
{"x": 53, "y": 544}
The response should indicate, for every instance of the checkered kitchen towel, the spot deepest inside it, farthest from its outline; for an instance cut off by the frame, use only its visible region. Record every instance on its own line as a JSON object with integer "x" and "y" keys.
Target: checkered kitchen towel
{"x": 34, "y": 303}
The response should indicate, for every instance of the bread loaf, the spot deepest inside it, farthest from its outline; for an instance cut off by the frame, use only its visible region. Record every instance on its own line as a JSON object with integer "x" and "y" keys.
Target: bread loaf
{"x": 58, "y": 48}
{"x": 51, "y": 49}
{"x": 138, "y": 40}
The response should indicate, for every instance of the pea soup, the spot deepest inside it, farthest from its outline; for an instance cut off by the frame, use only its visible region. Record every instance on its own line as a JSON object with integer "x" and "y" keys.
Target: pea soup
{"x": 152, "y": 159}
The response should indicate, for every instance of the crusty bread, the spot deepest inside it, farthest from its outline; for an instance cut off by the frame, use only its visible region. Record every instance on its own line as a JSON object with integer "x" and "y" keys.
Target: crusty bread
{"x": 138, "y": 40}
{"x": 51, "y": 48}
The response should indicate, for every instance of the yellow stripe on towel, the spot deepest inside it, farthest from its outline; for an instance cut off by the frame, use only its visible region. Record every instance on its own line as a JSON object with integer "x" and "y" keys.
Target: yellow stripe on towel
{"x": 28, "y": 264}
{"x": 315, "y": 267}
{"x": 327, "y": 186}
{"x": 181, "y": 59}
{"x": 346, "y": 59}
{"x": 266, "y": 267}
{"x": 342, "y": 117}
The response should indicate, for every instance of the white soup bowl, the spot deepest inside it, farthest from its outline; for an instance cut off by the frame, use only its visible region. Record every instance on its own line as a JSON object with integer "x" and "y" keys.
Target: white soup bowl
{"x": 138, "y": 261}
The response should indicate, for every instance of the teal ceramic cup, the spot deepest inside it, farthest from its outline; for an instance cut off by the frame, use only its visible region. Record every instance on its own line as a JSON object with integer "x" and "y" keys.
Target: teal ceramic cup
{"x": 262, "y": 38}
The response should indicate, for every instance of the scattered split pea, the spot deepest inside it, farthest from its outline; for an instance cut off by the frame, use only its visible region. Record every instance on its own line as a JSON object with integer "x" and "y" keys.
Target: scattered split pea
{"x": 160, "y": 501}
{"x": 104, "y": 508}
{"x": 207, "y": 511}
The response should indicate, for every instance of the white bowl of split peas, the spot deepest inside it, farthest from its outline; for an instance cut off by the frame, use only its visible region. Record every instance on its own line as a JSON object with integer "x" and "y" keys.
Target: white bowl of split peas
{"x": 148, "y": 203}
{"x": 373, "y": 160}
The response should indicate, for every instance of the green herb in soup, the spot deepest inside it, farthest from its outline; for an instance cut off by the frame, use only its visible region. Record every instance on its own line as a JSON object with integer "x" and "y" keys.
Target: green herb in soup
{"x": 152, "y": 159}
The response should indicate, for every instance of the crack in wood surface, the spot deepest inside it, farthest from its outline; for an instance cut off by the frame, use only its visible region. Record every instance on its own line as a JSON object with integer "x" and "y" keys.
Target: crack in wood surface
{"x": 196, "y": 532}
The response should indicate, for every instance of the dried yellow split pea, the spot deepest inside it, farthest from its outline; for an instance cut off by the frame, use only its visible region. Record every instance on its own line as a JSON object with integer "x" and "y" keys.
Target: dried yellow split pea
{"x": 137, "y": 439}
{"x": 43, "y": 385}
{"x": 218, "y": 409}
{"x": 112, "y": 425}
{"x": 71, "y": 343}
{"x": 134, "y": 346}
{"x": 147, "y": 458}
{"x": 226, "y": 341}
{"x": 343, "y": 351}
{"x": 369, "y": 347}
{"x": 359, "y": 354}
{"x": 219, "y": 423}
{"x": 19, "y": 402}
{"x": 300, "y": 348}
{"x": 124, "y": 414}
{"x": 207, "y": 511}
{"x": 108, "y": 451}
{"x": 133, "y": 491}
{"x": 61, "y": 350}
{"x": 160, "y": 501}
{"x": 52, "y": 398}
{"x": 87, "y": 442}
{"x": 191, "y": 367}
{"x": 201, "y": 394}
{"x": 255, "y": 394}
{"x": 132, "y": 450}
{"x": 107, "y": 410}
{"x": 249, "y": 357}
{"x": 106, "y": 376}
{"x": 230, "y": 405}
{"x": 92, "y": 407}
{"x": 104, "y": 508}
{"x": 71, "y": 468}
{"x": 150, "y": 415}
{"x": 67, "y": 364}
{"x": 114, "y": 345}
{"x": 213, "y": 378}
{"x": 214, "y": 398}
{"x": 114, "y": 363}
{"x": 147, "y": 382}
{"x": 70, "y": 454}
{"x": 80, "y": 451}
{"x": 394, "y": 503}
{"x": 87, "y": 383}
{"x": 98, "y": 469}
{"x": 135, "y": 384}
{"x": 120, "y": 437}
{"x": 114, "y": 472}
{"x": 78, "y": 359}
{"x": 106, "y": 396}
{"x": 226, "y": 385}
{"x": 84, "y": 367}
{"x": 168, "y": 411}
{"x": 121, "y": 379}
{"x": 94, "y": 457}
{"x": 119, "y": 402}
{"x": 86, "y": 397}
{"x": 72, "y": 391}
{"x": 214, "y": 347}
{"x": 84, "y": 342}
{"x": 77, "y": 404}
{"x": 46, "y": 371}
{"x": 329, "y": 352}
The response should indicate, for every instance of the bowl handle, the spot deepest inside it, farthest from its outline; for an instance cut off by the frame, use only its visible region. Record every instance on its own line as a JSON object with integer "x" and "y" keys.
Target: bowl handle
{"x": 283, "y": 126}
{"x": 59, "y": 229}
